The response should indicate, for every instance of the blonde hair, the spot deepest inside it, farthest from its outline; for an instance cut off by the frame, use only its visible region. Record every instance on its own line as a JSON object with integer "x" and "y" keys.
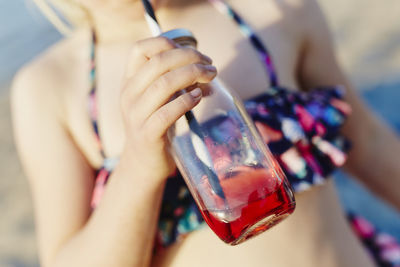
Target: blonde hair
{"x": 65, "y": 15}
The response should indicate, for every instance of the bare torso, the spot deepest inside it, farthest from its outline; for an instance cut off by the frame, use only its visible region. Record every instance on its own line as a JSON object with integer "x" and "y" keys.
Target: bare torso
{"x": 317, "y": 233}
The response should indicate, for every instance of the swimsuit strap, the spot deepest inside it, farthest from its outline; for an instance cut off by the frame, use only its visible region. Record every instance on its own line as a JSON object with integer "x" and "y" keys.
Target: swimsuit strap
{"x": 93, "y": 111}
{"x": 225, "y": 9}
{"x": 248, "y": 32}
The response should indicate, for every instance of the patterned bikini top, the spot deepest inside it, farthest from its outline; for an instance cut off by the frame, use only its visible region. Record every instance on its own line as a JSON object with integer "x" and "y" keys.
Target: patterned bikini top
{"x": 300, "y": 128}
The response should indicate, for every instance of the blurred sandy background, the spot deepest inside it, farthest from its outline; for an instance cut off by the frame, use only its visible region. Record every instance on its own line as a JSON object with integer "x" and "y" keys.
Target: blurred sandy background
{"x": 367, "y": 34}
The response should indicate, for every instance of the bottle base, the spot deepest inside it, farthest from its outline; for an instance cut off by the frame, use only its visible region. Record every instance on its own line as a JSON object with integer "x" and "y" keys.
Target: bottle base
{"x": 259, "y": 228}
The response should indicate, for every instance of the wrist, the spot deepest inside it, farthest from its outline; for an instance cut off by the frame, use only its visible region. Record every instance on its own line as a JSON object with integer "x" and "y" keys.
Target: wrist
{"x": 135, "y": 170}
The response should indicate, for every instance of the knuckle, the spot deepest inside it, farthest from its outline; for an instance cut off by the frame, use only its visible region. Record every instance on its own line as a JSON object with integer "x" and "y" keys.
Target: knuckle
{"x": 162, "y": 83}
{"x": 186, "y": 102}
{"x": 165, "y": 42}
{"x": 143, "y": 42}
{"x": 157, "y": 59}
{"x": 192, "y": 53}
{"x": 193, "y": 69}
{"x": 192, "y": 73}
{"x": 163, "y": 116}
{"x": 198, "y": 70}
{"x": 136, "y": 50}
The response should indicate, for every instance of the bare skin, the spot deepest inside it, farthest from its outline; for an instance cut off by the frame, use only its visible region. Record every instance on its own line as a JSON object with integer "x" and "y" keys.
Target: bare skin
{"x": 59, "y": 153}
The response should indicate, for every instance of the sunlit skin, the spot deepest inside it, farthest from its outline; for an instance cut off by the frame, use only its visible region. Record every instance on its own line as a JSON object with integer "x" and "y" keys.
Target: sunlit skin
{"x": 136, "y": 75}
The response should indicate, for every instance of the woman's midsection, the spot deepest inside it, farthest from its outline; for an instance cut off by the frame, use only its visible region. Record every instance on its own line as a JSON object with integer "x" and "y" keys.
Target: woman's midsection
{"x": 317, "y": 234}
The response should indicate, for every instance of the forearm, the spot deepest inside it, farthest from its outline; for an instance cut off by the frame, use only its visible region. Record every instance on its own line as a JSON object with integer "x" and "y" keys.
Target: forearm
{"x": 121, "y": 230}
{"x": 375, "y": 156}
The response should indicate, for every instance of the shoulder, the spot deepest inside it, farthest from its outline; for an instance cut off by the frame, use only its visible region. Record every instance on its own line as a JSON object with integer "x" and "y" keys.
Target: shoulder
{"x": 300, "y": 18}
{"x": 311, "y": 18}
{"x": 45, "y": 81}
{"x": 306, "y": 19}
{"x": 309, "y": 8}
{"x": 40, "y": 94}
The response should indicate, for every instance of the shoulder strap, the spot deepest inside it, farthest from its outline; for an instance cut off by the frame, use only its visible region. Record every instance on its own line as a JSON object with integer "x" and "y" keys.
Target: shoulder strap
{"x": 247, "y": 31}
{"x": 92, "y": 95}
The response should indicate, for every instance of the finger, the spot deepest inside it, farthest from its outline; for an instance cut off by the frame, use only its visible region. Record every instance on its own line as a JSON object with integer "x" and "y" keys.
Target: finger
{"x": 172, "y": 82}
{"x": 162, "y": 63}
{"x": 206, "y": 88}
{"x": 159, "y": 122}
{"x": 143, "y": 50}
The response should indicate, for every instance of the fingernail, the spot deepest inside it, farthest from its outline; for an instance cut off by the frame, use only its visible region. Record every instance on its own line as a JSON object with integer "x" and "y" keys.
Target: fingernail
{"x": 208, "y": 59}
{"x": 210, "y": 68}
{"x": 196, "y": 93}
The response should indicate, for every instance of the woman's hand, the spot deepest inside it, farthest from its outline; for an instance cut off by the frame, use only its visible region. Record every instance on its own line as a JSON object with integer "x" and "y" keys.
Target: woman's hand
{"x": 157, "y": 70}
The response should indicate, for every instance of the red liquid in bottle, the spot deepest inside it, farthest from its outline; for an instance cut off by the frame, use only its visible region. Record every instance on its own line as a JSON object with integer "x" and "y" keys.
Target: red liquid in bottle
{"x": 269, "y": 200}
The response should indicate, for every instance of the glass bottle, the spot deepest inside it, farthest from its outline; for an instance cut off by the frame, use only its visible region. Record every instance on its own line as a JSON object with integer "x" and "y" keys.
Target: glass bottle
{"x": 238, "y": 186}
